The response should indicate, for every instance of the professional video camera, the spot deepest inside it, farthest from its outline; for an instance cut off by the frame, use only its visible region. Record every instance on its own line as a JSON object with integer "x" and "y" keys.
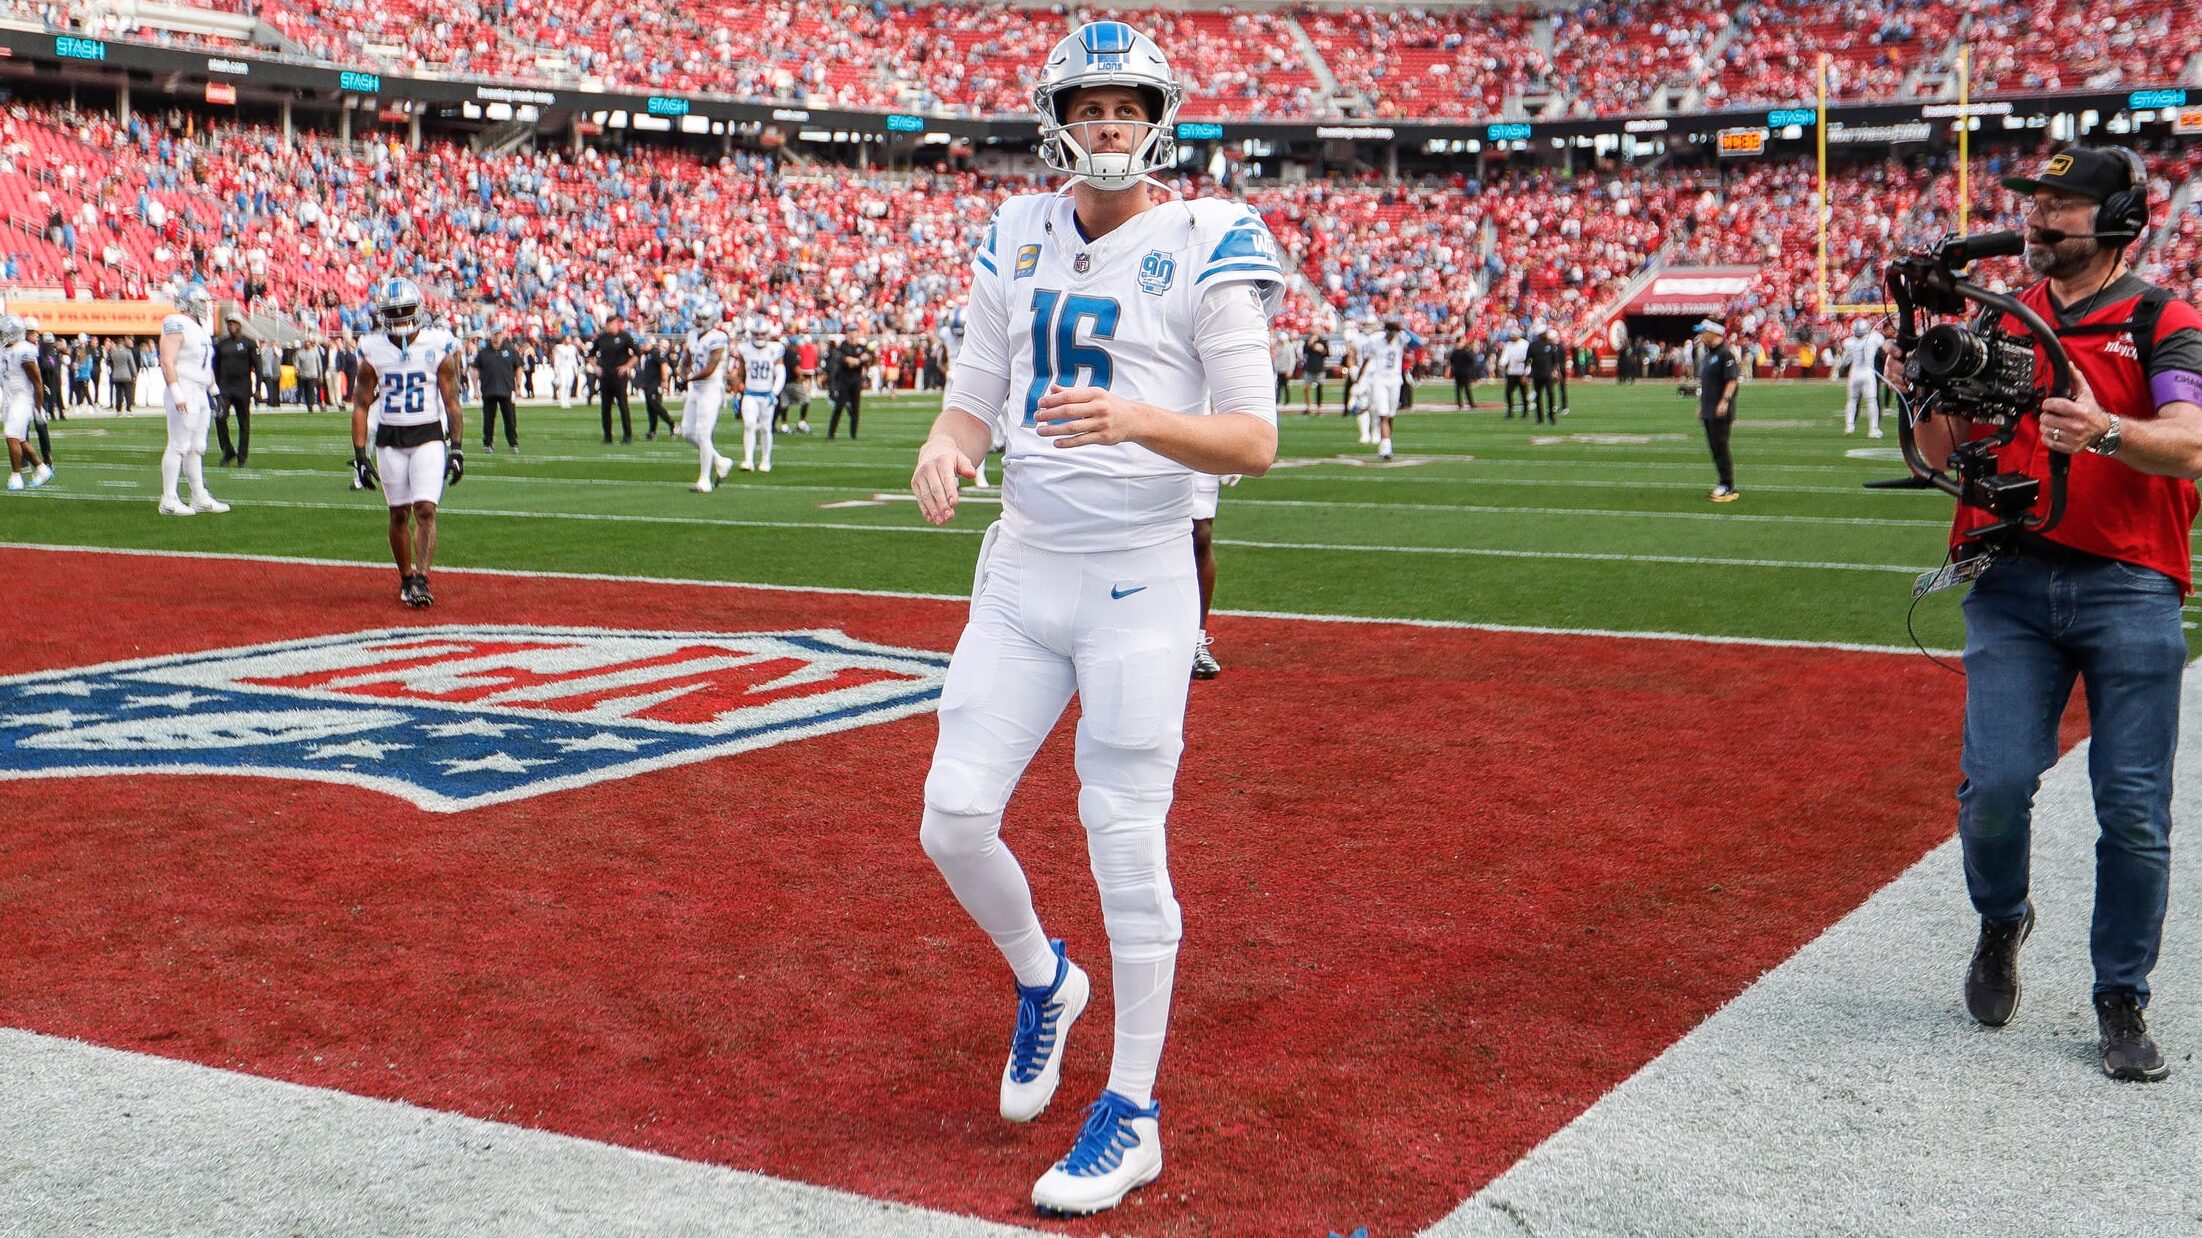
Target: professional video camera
{"x": 1978, "y": 372}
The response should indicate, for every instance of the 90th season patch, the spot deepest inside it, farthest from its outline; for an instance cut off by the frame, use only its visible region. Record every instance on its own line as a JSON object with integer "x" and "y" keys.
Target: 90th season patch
{"x": 454, "y": 717}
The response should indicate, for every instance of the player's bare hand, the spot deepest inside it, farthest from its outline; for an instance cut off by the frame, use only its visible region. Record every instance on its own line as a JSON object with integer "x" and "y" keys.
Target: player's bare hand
{"x": 1077, "y": 416}
{"x": 940, "y": 465}
{"x": 2070, "y": 426}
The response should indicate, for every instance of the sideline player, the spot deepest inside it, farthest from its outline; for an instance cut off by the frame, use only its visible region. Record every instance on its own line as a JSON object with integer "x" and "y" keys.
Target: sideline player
{"x": 1104, "y": 322}
{"x": 1861, "y": 360}
{"x": 20, "y": 358}
{"x": 187, "y": 364}
{"x": 566, "y": 369}
{"x": 764, "y": 372}
{"x": 409, "y": 381}
{"x": 1385, "y": 372}
{"x": 706, "y": 361}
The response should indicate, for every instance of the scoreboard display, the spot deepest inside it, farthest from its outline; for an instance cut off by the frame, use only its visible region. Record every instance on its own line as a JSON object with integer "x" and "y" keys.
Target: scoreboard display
{"x": 1742, "y": 142}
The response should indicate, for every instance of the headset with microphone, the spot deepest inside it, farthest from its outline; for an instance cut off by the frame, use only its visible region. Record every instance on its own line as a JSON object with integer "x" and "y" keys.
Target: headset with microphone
{"x": 2123, "y": 215}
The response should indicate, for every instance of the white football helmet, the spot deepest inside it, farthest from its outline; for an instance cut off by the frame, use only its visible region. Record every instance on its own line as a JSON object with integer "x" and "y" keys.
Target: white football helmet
{"x": 1859, "y": 327}
{"x": 198, "y": 302}
{"x": 11, "y": 331}
{"x": 1108, "y": 53}
{"x": 398, "y": 308}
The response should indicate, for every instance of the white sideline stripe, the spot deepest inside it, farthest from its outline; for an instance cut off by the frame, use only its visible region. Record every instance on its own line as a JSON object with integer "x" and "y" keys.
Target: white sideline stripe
{"x": 1847, "y": 1092}
{"x": 1694, "y": 638}
{"x": 98, "y": 1141}
{"x": 1234, "y": 501}
{"x": 724, "y": 522}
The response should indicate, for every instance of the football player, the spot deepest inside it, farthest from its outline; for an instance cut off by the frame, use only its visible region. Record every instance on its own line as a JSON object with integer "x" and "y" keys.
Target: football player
{"x": 26, "y": 470}
{"x": 764, "y": 372}
{"x": 706, "y": 361}
{"x": 1105, "y": 321}
{"x": 566, "y": 369}
{"x": 408, "y": 385}
{"x": 1861, "y": 361}
{"x": 187, "y": 363}
{"x": 1386, "y": 370}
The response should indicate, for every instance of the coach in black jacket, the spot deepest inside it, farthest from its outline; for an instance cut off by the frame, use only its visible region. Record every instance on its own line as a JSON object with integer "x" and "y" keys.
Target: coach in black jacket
{"x": 236, "y": 362}
{"x": 497, "y": 364}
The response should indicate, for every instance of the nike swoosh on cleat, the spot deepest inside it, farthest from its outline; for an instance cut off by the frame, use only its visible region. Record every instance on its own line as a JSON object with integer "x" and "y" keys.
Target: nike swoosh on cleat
{"x": 1120, "y": 594}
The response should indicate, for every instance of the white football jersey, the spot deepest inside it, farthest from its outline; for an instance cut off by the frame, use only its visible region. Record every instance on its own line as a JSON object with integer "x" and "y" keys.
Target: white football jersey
{"x": 1387, "y": 356}
{"x": 406, "y": 392}
{"x": 565, "y": 356}
{"x": 18, "y": 384}
{"x": 701, "y": 344}
{"x": 1049, "y": 308}
{"x": 1862, "y": 353}
{"x": 195, "y": 358}
{"x": 761, "y": 373}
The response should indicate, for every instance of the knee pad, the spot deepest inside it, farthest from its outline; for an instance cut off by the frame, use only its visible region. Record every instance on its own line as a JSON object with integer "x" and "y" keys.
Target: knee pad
{"x": 960, "y": 787}
{"x": 948, "y": 836}
{"x": 1131, "y": 870}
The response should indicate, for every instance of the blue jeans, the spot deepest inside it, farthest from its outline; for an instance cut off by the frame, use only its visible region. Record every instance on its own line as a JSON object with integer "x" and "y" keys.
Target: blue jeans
{"x": 2031, "y": 626}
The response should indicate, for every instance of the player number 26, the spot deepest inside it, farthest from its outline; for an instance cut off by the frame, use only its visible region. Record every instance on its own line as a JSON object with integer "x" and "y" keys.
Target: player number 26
{"x": 404, "y": 393}
{"x": 1057, "y": 356}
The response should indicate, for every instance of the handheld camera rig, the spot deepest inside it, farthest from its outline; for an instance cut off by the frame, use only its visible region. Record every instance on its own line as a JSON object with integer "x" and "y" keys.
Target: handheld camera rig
{"x": 1978, "y": 372}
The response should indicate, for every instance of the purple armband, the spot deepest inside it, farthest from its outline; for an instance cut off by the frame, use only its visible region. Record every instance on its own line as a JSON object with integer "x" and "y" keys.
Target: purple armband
{"x": 2175, "y": 385}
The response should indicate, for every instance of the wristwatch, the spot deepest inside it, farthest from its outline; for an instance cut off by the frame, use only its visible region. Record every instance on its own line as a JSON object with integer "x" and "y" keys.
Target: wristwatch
{"x": 2107, "y": 445}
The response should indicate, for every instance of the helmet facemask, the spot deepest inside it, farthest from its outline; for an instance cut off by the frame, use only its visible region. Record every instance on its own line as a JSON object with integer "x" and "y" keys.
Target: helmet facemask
{"x": 1108, "y": 54}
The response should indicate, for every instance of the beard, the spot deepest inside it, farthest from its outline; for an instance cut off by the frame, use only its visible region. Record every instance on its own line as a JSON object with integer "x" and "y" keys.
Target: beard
{"x": 2062, "y": 260}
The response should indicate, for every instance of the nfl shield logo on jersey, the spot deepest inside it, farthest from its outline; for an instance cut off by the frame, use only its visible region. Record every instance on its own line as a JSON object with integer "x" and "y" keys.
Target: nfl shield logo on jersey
{"x": 1156, "y": 272}
{"x": 454, "y": 717}
{"x": 1082, "y": 263}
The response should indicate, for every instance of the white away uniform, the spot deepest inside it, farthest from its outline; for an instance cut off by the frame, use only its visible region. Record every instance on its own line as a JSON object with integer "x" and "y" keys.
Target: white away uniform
{"x": 1387, "y": 368}
{"x": 763, "y": 374}
{"x": 566, "y": 371}
{"x": 22, "y": 397}
{"x": 408, "y": 415}
{"x": 189, "y": 411}
{"x": 1086, "y": 584}
{"x": 1862, "y": 361}
{"x": 706, "y": 397}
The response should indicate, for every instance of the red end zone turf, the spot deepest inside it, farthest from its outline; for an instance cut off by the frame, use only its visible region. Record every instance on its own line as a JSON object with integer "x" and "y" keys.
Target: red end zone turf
{"x": 1442, "y": 889}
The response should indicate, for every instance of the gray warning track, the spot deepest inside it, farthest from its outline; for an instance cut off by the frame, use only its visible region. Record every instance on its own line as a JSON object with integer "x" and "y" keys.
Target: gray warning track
{"x": 1848, "y": 1093}
{"x": 95, "y": 1141}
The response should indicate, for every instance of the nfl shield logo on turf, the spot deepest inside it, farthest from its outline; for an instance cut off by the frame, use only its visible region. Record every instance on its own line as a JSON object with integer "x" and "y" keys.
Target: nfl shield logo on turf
{"x": 454, "y": 717}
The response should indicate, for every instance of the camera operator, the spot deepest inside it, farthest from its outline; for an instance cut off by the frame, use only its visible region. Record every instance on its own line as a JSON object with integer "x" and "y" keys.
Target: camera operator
{"x": 2097, "y": 597}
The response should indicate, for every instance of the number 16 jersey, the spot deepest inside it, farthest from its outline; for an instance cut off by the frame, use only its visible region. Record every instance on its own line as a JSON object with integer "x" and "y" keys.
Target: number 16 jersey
{"x": 1051, "y": 308}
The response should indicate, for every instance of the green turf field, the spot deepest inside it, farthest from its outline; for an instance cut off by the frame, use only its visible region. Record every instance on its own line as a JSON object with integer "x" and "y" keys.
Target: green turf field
{"x": 1600, "y": 523}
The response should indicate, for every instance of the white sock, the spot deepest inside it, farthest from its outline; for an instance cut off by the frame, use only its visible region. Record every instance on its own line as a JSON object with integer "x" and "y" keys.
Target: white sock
{"x": 980, "y": 480}
{"x": 767, "y": 457}
{"x": 749, "y": 445}
{"x": 1364, "y": 423}
{"x": 1384, "y": 446}
{"x": 991, "y": 885}
{"x": 171, "y": 468}
{"x": 195, "y": 470}
{"x": 709, "y": 455}
{"x": 1142, "y": 1021}
{"x": 1873, "y": 421}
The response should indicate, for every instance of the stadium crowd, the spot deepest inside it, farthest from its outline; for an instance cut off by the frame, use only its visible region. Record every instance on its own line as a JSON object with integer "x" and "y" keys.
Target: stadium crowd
{"x": 967, "y": 58}
{"x": 549, "y": 243}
